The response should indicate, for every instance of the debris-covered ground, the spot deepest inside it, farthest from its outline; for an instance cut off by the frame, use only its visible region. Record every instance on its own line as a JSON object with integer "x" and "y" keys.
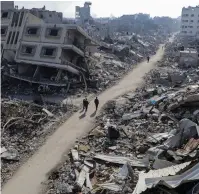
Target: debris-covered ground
{"x": 24, "y": 128}
{"x": 144, "y": 142}
{"x": 25, "y": 125}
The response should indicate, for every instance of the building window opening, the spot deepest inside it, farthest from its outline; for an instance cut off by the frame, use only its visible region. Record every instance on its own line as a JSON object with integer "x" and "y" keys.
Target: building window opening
{"x": 28, "y": 50}
{"x": 32, "y": 31}
{"x": 53, "y": 32}
{"x": 3, "y": 31}
{"x": 49, "y": 52}
{"x": 4, "y": 15}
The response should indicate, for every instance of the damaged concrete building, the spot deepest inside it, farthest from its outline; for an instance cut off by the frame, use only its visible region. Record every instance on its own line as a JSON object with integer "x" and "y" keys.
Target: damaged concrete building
{"x": 39, "y": 48}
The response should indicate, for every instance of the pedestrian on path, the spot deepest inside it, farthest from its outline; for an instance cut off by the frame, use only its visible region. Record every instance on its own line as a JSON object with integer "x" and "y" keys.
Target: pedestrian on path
{"x": 148, "y": 58}
{"x": 86, "y": 105}
{"x": 96, "y": 101}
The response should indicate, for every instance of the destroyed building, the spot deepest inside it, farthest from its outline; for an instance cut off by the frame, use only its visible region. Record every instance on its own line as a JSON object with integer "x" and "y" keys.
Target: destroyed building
{"x": 190, "y": 21}
{"x": 40, "y": 49}
{"x": 144, "y": 142}
{"x": 82, "y": 14}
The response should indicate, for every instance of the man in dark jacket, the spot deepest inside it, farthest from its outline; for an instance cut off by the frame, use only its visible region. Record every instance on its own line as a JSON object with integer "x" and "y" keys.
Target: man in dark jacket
{"x": 86, "y": 104}
{"x": 148, "y": 58}
{"x": 96, "y": 101}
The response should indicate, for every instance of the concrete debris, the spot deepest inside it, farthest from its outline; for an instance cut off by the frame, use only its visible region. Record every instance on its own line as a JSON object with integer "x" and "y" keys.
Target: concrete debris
{"x": 82, "y": 176}
{"x": 111, "y": 186}
{"x": 24, "y": 127}
{"x": 174, "y": 181}
{"x": 165, "y": 172}
{"x": 148, "y": 134}
{"x": 122, "y": 160}
{"x": 75, "y": 154}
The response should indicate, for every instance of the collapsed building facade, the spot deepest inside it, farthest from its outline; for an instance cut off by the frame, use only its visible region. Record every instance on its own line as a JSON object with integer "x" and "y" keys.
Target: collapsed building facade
{"x": 37, "y": 48}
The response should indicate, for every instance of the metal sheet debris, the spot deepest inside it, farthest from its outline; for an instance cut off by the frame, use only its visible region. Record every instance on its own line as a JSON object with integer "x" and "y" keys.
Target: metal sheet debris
{"x": 174, "y": 181}
{"x": 173, "y": 170}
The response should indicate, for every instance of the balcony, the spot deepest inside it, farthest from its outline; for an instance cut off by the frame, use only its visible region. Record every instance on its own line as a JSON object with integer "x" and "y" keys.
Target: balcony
{"x": 74, "y": 45}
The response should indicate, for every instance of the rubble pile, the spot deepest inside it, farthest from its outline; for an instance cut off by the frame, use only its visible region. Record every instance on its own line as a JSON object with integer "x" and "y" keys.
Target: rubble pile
{"x": 24, "y": 128}
{"x": 114, "y": 60}
{"x": 146, "y": 141}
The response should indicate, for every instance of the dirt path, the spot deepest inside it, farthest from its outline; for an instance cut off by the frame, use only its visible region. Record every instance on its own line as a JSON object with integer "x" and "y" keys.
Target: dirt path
{"x": 28, "y": 178}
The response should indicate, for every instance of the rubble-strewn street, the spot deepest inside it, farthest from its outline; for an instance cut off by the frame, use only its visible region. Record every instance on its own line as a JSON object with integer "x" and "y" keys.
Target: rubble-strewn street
{"x": 26, "y": 125}
{"x": 144, "y": 142}
{"x": 135, "y": 77}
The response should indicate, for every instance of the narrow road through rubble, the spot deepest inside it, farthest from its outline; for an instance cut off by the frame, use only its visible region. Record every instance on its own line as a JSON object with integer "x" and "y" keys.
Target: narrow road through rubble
{"x": 28, "y": 178}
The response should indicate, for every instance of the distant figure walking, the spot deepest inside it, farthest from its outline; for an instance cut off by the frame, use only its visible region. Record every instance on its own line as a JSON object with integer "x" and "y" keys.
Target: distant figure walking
{"x": 96, "y": 101}
{"x": 162, "y": 47}
{"x": 148, "y": 58}
{"x": 86, "y": 103}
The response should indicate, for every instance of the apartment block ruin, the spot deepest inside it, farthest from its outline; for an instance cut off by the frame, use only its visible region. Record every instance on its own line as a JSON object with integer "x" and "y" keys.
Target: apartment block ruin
{"x": 82, "y": 14}
{"x": 190, "y": 21}
{"x": 38, "y": 48}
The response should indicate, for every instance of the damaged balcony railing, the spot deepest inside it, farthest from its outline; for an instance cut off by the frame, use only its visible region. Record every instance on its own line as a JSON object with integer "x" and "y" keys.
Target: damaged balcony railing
{"x": 75, "y": 43}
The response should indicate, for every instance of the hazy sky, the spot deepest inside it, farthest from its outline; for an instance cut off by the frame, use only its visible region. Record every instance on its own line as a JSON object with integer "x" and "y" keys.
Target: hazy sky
{"x": 106, "y": 8}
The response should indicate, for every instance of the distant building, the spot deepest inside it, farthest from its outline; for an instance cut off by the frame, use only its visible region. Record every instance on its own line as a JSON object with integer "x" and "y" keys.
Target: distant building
{"x": 190, "y": 21}
{"x": 82, "y": 14}
{"x": 6, "y": 5}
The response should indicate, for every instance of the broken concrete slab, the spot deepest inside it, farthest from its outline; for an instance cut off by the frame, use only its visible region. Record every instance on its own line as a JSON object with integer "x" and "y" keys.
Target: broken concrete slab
{"x": 111, "y": 186}
{"x": 82, "y": 176}
{"x": 158, "y": 137}
{"x": 75, "y": 154}
{"x": 121, "y": 160}
{"x": 159, "y": 164}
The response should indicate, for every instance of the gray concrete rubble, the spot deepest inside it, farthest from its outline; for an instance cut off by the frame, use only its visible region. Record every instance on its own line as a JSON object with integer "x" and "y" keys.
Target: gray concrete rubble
{"x": 143, "y": 140}
{"x": 24, "y": 128}
{"x": 32, "y": 110}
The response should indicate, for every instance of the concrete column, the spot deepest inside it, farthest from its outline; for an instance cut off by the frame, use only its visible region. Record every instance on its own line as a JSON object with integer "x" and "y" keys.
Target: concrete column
{"x": 58, "y": 75}
{"x": 36, "y": 72}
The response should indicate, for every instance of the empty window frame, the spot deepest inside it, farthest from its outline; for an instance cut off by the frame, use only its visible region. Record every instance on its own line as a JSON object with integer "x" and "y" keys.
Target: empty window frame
{"x": 191, "y": 20}
{"x": 53, "y": 32}
{"x": 4, "y": 15}
{"x": 28, "y": 50}
{"x": 192, "y": 15}
{"x": 3, "y": 31}
{"x": 32, "y": 30}
{"x": 48, "y": 51}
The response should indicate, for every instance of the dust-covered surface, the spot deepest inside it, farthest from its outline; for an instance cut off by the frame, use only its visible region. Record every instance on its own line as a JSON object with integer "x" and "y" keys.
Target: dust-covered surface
{"x": 135, "y": 133}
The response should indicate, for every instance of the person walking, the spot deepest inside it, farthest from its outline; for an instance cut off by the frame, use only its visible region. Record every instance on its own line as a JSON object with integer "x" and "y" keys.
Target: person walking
{"x": 148, "y": 58}
{"x": 96, "y": 101}
{"x": 86, "y": 105}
